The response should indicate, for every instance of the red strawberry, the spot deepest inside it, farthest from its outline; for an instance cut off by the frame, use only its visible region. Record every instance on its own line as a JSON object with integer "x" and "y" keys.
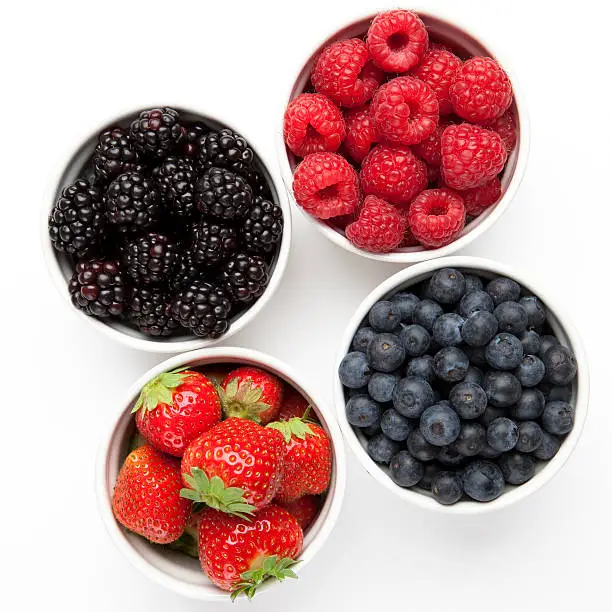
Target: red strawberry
{"x": 304, "y": 509}
{"x": 175, "y": 408}
{"x": 238, "y": 554}
{"x": 251, "y": 393}
{"x": 146, "y": 498}
{"x": 294, "y": 405}
{"x": 234, "y": 467}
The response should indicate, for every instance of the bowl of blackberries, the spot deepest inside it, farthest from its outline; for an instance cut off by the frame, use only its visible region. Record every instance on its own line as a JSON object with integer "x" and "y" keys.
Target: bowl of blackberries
{"x": 166, "y": 230}
{"x": 461, "y": 386}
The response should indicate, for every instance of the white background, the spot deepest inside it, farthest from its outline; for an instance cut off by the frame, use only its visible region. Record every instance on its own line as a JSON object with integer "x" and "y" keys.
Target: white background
{"x": 66, "y": 67}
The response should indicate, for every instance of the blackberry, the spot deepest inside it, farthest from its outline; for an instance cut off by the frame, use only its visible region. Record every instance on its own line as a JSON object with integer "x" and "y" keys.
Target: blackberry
{"x": 157, "y": 132}
{"x": 223, "y": 194}
{"x": 203, "y": 308}
{"x": 76, "y": 223}
{"x": 193, "y": 133}
{"x": 97, "y": 288}
{"x": 225, "y": 149}
{"x": 263, "y": 226}
{"x": 175, "y": 178}
{"x": 132, "y": 200}
{"x": 150, "y": 309}
{"x": 185, "y": 272}
{"x": 259, "y": 184}
{"x": 212, "y": 242}
{"x": 150, "y": 258}
{"x": 114, "y": 154}
{"x": 244, "y": 277}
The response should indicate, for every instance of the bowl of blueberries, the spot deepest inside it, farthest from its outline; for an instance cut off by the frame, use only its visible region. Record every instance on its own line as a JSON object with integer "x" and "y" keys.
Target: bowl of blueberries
{"x": 461, "y": 386}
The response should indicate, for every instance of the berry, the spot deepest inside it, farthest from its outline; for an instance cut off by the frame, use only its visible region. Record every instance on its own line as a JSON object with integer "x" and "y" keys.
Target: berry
{"x": 468, "y": 399}
{"x": 436, "y": 217}
{"x": 440, "y": 424}
{"x": 175, "y": 177}
{"x": 313, "y": 124}
{"x": 426, "y": 312}
{"x": 394, "y": 174}
{"x": 262, "y": 229}
{"x": 395, "y": 426}
{"x": 382, "y": 449}
{"x": 530, "y": 371}
{"x": 404, "y": 111}
{"x": 475, "y": 301}
{"x": 354, "y": 370}
{"x": 386, "y": 353}
{"x": 447, "y": 488}
{"x": 530, "y": 437}
{"x": 477, "y": 199}
{"x": 150, "y": 309}
{"x": 558, "y": 418}
{"x": 504, "y": 352}
{"x": 549, "y": 446}
{"x": 547, "y": 342}
{"x": 212, "y": 243}
{"x": 384, "y": 316}
{"x": 362, "y": 411}
{"x": 447, "y": 329}
{"x": 505, "y": 126}
{"x": 476, "y": 354}
{"x": 490, "y": 414}
{"x": 503, "y": 289}
{"x": 381, "y": 385}
{"x": 193, "y": 134}
{"x": 379, "y": 227}
{"x": 447, "y": 285}
{"x": 259, "y": 184}
{"x": 362, "y": 338}
{"x": 397, "y": 40}
{"x": 480, "y": 91}
{"x": 512, "y": 317}
{"x": 502, "y": 388}
{"x": 225, "y": 149}
{"x": 559, "y": 393}
{"x": 471, "y": 156}
{"x": 560, "y": 365}
{"x": 132, "y": 200}
{"x": 430, "y": 472}
{"x": 474, "y": 375}
{"x": 430, "y": 151}
{"x": 406, "y": 303}
{"x": 304, "y": 509}
{"x": 97, "y": 288}
{"x": 451, "y": 364}
{"x": 450, "y": 457}
{"x": 114, "y": 154}
{"x": 294, "y": 405}
{"x": 479, "y": 328}
{"x": 405, "y": 470}
{"x": 360, "y": 132}
{"x": 151, "y": 258}
{"x": 536, "y": 312}
{"x": 517, "y": 468}
{"x": 489, "y": 453}
{"x": 344, "y": 73}
{"x": 502, "y": 434}
{"x": 244, "y": 277}
{"x": 471, "y": 440}
{"x": 420, "y": 448}
{"x": 156, "y": 132}
{"x": 326, "y": 185}
{"x": 411, "y": 396}
{"x": 416, "y": 340}
{"x": 530, "y": 405}
{"x": 483, "y": 481}
{"x": 222, "y": 194}
{"x": 472, "y": 283}
{"x": 421, "y": 367}
{"x": 185, "y": 272}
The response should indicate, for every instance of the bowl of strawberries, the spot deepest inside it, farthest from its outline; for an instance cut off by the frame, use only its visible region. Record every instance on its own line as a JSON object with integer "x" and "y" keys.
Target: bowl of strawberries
{"x": 221, "y": 475}
{"x": 404, "y": 137}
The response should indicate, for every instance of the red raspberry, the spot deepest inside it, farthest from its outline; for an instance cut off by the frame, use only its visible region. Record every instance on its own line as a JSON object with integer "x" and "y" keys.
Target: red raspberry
{"x": 433, "y": 175}
{"x": 430, "y": 149}
{"x": 408, "y": 240}
{"x": 397, "y": 40}
{"x": 505, "y": 126}
{"x": 326, "y": 185}
{"x": 481, "y": 90}
{"x": 437, "y": 69}
{"x": 360, "y": 132}
{"x": 312, "y": 124}
{"x": 476, "y": 200}
{"x": 379, "y": 228}
{"x": 436, "y": 217}
{"x": 393, "y": 173}
{"x": 471, "y": 155}
{"x": 345, "y": 74}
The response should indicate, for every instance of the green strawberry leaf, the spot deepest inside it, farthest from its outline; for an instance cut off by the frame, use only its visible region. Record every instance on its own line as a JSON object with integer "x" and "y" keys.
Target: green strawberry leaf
{"x": 272, "y": 567}
{"x": 242, "y": 400}
{"x": 293, "y": 427}
{"x": 159, "y": 390}
{"x": 186, "y": 544}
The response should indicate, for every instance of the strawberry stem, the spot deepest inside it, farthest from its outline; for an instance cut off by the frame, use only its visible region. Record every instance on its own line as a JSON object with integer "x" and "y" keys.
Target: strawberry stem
{"x": 272, "y": 567}
{"x": 242, "y": 400}
{"x": 159, "y": 390}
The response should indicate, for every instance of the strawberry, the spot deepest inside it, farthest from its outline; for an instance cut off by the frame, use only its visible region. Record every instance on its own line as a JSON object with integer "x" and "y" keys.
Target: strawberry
{"x": 304, "y": 509}
{"x": 175, "y": 408}
{"x": 294, "y": 405}
{"x": 251, "y": 393}
{"x": 235, "y": 467}
{"x": 308, "y": 459}
{"x": 146, "y": 498}
{"x": 238, "y": 554}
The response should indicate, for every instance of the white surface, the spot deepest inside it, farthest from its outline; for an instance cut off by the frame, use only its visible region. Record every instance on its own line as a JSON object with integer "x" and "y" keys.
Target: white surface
{"x": 68, "y": 64}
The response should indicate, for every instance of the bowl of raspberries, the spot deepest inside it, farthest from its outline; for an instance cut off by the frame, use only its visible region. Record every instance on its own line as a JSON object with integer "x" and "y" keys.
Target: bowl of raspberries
{"x": 222, "y": 475}
{"x": 403, "y": 138}
{"x": 461, "y": 386}
{"x": 166, "y": 230}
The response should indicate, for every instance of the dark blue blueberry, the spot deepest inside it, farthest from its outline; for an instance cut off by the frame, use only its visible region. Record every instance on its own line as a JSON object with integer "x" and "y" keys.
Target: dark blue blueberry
{"x": 530, "y": 371}
{"x": 386, "y": 353}
{"x": 535, "y": 309}
{"x": 472, "y": 283}
{"x": 479, "y": 328}
{"x": 416, "y": 340}
{"x": 411, "y": 396}
{"x": 504, "y": 352}
{"x": 560, "y": 364}
{"x": 362, "y": 338}
{"x": 531, "y": 342}
{"x": 476, "y": 354}
{"x": 483, "y": 480}
{"x": 558, "y": 418}
{"x": 362, "y": 411}
{"x": 447, "y": 329}
{"x": 475, "y": 301}
{"x": 547, "y": 341}
{"x": 529, "y": 406}
{"x": 421, "y": 367}
{"x": 437, "y": 396}
{"x": 447, "y": 488}
{"x": 395, "y": 426}
{"x": 405, "y": 470}
{"x": 512, "y": 318}
{"x": 468, "y": 400}
{"x": 429, "y": 474}
{"x": 562, "y": 394}
{"x": 406, "y": 302}
{"x": 385, "y": 316}
{"x": 472, "y": 439}
{"x": 503, "y": 289}
{"x": 357, "y": 391}
{"x": 502, "y": 388}
{"x": 372, "y": 430}
{"x": 474, "y": 375}
{"x": 502, "y": 434}
{"x": 488, "y": 452}
{"x": 424, "y": 291}
{"x": 420, "y": 448}
{"x": 449, "y": 456}
{"x": 447, "y": 286}
{"x": 451, "y": 364}
{"x": 426, "y": 312}
{"x": 530, "y": 436}
{"x": 490, "y": 414}
{"x": 548, "y": 447}
{"x": 517, "y": 468}
{"x": 381, "y": 386}
{"x": 354, "y": 370}
{"x": 381, "y": 449}
{"x": 440, "y": 424}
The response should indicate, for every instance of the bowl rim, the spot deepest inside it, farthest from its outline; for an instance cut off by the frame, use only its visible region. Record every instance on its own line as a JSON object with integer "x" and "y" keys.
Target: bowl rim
{"x": 492, "y": 215}
{"x": 144, "y": 343}
{"x": 213, "y": 355}
{"x": 552, "y": 467}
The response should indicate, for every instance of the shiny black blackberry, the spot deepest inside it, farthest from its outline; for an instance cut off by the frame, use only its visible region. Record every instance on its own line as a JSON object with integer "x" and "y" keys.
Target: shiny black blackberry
{"x": 263, "y": 226}
{"x": 151, "y": 258}
{"x": 225, "y": 149}
{"x": 77, "y": 221}
{"x": 132, "y": 200}
{"x": 259, "y": 184}
{"x": 223, "y": 194}
{"x": 204, "y": 308}
{"x": 150, "y": 309}
{"x": 175, "y": 177}
{"x": 157, "y": 132}
{"x": 114, "y": 154}
{"x": 97, "y": 288}
{"x": 244, "y": 277}
{"x": 193, "y": 133}
{"x": 212, "y": 242}
{"x": 185, "y": 272}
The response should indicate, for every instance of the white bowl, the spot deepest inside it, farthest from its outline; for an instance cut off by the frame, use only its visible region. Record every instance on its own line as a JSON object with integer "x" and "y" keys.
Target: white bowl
{"x": 175, "y": 570}
{"x": 513, "y": 173}
{"x": 563, "y": 329}
{"x": 61, "y": 269}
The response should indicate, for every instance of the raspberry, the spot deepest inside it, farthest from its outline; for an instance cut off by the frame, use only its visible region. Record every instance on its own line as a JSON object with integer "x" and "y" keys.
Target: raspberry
{"x": 436, "y": 216}
{"x": 437, "y": 69}
{"x": 505, "y": 126}
{"x": 405, "y": 110}
{"x": 326, "y": 185}
{"x": 481, "y": 90}
{"x": 344, "y": 73}
{"x": 430, "y": 149}
{"x": 360, "y": 133}
{"x": 433, "y": 174}
{"x": 313, "y": 123}
{"x": 393, "y": 173}
{"x": 379, "y": 228}
{"x": 397, "y": 40}
{"x": 471, "y": 155}
{"x": 477, "y": 199}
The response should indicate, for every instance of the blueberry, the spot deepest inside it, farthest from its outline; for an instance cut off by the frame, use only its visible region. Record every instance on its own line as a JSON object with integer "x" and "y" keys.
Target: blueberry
{"x": 504, "y": 352}
{"x": 447, "y": 329}
{"x": 503, "y": 289}
{"x": 558, "y": 418}
{"x": 372, "y": 430}
{"x": 451, "y": 364}
{"x": 476, "y": 354}
{"x": 416, "y": 340}
{"x": 517, "y": 468}
{"x": 421, "y": 367}
{"x": 468, "y": 400}
{"x": 490, "y": 414}
{"x": 560, "y": 365}
{"x": 381, "y": 386}
{"x": 488, "y": 452}
{"x": 546, "y": 342}
{"x": 548, "y": 447}
{"x": 449, "y": 456}
{"x": 385, "y": 352}
{"x": 405, "y": 470}
{"x": 406, "y": 302}
{"x": 447, "y": 488}
{"x": 475, "y": 301}
{"x": 395, "y": 426}
{"x": 411, "y": 396}
{"x": 385, "y": 316}
{"x": 483, "y": 480}
{"x": 362, "y": 411}
{"x": 420, "y": 448}
{"x": 562, "y": 394}
{"x": 472, "y": 283}
{"x": 472, "y": 439}
{"x": 529, "y": 406}
{"x": 362, "y": 338}
{"x": 479, "y": 328}
{"x": 535, "y": 309}
{"x": 512, "y": 317}
{"x": 381, "y": 449}
{"x": 502, "y": 388}
{"x": 530, "y": 436}
{"x": 426, "y": 312}
{"x": 447, "y": 285}
{"x": 474, "y": 375}
{"x": 440, "y": 424}
{"x": 530, "y": 371}
{"x": 354, "y": 370}
{"x": 531, "y": 342}
{"x": 502, "y": 434}
{"x": 424, "y": 291}
{"x": 429, "y": 474}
